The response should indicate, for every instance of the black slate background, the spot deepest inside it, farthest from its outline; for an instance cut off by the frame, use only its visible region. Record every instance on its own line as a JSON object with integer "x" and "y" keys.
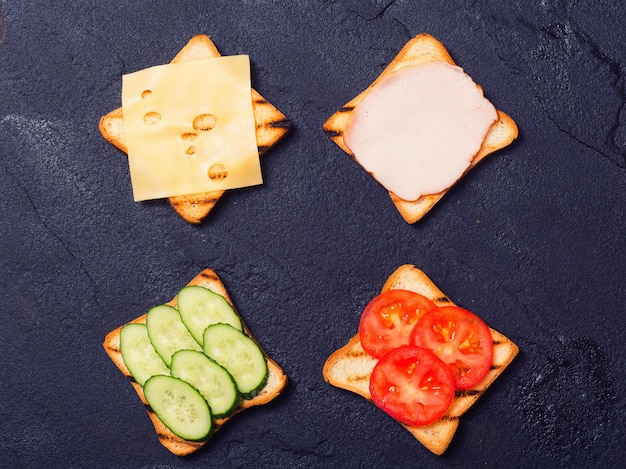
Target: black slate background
{"x": 532, "y": 239}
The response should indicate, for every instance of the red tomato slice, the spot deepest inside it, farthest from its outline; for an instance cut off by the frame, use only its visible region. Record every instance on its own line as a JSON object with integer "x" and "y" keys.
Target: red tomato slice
{"x": 387, "y": 321}
{"x": 460, "y": 339}
{"x": 412, "y": 385}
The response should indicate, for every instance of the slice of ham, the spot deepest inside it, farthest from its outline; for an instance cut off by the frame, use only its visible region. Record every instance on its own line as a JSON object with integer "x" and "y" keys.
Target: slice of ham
{"x": 418, "y": 130}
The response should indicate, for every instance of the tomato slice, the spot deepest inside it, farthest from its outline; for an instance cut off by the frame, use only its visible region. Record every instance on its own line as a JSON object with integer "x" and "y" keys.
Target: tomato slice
{"x": 460, "y": 339}
{"x": 387, "y": 321}
{"x": 412, "y": 385}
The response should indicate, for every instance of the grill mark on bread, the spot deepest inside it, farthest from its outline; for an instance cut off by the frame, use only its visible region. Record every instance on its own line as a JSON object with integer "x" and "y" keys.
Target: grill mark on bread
{"x": 346, "y": 109}
{"x": 359, "y": 378}
{"x": 449, "y": 418}
{"x": 333, "y": 133}
{"x": 357, "y": 354}
{"x": 467, "y": 392}
{"x": 203, "y": 200}
{"x": 167, "y": 437}
{"x": 164, "y": 436}
{"x": 279, "y": 124}
{"x": 206, "y": 275}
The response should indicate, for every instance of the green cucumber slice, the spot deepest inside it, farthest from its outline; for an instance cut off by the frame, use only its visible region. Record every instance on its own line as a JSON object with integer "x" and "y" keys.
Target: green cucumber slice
{"x": 179, "y": 406}
{"x": 200, "y": 307}
{"x": 168, "y": 333}
{"x": 239, "y": 354}
{"x": 211, "y": 380}
{"x": 138, "y": 353}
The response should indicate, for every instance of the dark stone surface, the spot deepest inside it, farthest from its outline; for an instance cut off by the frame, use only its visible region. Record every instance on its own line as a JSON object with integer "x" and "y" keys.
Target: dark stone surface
{"x": 532, "y": 239}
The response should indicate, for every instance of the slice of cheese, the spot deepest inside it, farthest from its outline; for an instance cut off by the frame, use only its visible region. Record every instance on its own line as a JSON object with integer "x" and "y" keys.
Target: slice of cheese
{"x": 190, "y": 128}
{"x": 418, "y": 130}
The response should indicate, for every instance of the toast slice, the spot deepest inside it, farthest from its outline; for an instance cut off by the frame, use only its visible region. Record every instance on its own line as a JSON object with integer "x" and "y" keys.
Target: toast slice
{"x": 421, "y": 49}
{"x": 271, "y": 126}
{"x": 350, "y": 367}
{"x": 276, "y": 381}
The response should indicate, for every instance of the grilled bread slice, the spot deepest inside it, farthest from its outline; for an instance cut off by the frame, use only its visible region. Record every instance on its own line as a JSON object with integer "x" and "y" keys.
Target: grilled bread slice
{"x": 350, "y": 367}
{"x": 421, "y": 49}
{"x": 271, "y": 126}
{"x": 276, "y": 380}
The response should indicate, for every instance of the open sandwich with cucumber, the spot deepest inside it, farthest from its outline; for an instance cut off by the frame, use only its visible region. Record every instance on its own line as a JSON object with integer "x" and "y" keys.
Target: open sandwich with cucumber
{"x": 421, "y": 359}
{"x": 194, "y": 364}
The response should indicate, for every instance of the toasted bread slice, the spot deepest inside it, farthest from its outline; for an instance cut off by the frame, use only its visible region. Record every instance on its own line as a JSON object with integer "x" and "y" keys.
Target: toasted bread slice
{"x": 350, "y": 367}
{"x": 271, "y": 126}
{"x": 276, "y": 381}
{"x": 421, "y": 49}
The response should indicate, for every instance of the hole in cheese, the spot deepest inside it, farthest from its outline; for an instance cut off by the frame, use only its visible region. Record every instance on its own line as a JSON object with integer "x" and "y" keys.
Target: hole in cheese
{"x": 418, "y": 130}
{"x": 217, "y": 172}
{"x": 152, "y": 118}
{"x": 189, "y": 137}
{"x": 204, "y": 122}
{"x": 146, "y": 94}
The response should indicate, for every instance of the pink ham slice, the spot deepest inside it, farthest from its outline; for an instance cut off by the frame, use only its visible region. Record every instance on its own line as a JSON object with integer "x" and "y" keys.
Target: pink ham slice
{"x": 418, "y": 130}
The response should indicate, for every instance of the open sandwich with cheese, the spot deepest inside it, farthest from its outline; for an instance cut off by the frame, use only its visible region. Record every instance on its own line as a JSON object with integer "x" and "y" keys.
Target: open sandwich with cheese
{"x": 420, "y": 126}
{"x": 193, "y": 128}
{"x": 194, "y": 364}
{"x": 420, "y": 358}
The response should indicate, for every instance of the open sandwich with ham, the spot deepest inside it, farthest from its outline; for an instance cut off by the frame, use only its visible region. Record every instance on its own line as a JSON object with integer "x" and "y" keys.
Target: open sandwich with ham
{"x": 420, "y": 126}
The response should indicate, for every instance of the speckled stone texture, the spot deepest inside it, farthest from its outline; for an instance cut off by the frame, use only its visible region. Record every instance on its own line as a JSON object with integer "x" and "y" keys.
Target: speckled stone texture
{"x": 532, "y": 239}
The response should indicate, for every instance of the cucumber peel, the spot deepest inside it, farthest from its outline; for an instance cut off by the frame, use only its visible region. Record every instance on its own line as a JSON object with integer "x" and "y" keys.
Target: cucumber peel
{"x": 239, "y": 354}
{"x": 179, "y": 406}
{"x": 138, "y": 353}
{"x": 168, "y": 333}
{"x": 211, "y": 380}
{"x": 200, "y": 307}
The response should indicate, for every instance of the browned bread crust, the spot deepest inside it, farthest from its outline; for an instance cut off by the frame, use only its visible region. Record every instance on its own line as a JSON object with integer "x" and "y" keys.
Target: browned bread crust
{"x": 271, "y": 126}
{"x": 350, "y": 367}
{"x": 276, "y": 381}
{"x": 421, "y": 49}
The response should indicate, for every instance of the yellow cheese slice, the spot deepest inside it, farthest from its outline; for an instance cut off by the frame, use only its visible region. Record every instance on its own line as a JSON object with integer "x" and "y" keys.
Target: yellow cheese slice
{"x": 190, "y": 128}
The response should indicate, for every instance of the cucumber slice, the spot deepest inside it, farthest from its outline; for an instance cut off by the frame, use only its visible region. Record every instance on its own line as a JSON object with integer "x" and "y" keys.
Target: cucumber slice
{"x": 139, "y": 355}
{"x": 167, "y": 332}
{"x": 200, "y": 307}
{"x": 179, "y": 406}
{"x": 211, "y": 380}
{"x": 239, "y": 354}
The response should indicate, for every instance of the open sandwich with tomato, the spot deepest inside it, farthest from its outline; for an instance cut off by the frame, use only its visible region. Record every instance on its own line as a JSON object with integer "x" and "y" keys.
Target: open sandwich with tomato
{"x": 420, "y": 358}
{"x": 194, "y": 364}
